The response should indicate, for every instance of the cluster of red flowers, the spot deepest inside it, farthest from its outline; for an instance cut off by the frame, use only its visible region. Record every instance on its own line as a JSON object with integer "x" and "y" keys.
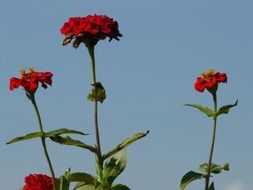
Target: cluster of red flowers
{"x": 38, "y": 182}
{"x": 30, "y": 81}
{"x": 91, "y": 27}
{"x": 209, "y": 80}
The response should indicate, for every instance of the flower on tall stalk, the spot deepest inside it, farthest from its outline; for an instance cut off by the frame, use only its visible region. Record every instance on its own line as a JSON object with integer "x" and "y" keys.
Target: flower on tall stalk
{"x": 30, "y": 81}
{"x": 38, "y": 182}
{"x": 89, "y": 29}
{"x": 209, "y": 80}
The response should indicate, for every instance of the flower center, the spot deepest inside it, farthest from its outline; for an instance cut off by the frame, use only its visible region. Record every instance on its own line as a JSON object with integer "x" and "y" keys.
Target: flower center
{"x": 208, "y": 75}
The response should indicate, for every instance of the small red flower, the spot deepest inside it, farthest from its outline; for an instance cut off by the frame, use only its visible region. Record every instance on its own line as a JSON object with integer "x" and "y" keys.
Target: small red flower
{"x": 30, "y": 81}
{"x": 209, "y": 80}
{"x": 38, "y": 182}
{"x": 90, "y": 29}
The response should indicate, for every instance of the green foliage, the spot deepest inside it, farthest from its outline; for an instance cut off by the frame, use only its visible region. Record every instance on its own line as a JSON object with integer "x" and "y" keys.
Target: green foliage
{"x": 113, "y": 168}
{"x": 63, "y": 183}
{"x": 189, "y": 177}
{"x": 45, "y": 135}
{"x": 81, "y": 177}
{"x": 120, "y": 187}
{"x": 72, "y": 142}
{"x": 97, "y": 93}
{"x": 124, "y": 144}
{"x": 82, "y": 186}
{"x": 225, "y": 109}
{"x": 215, "y": 169}
{"x": 203, "y": 109}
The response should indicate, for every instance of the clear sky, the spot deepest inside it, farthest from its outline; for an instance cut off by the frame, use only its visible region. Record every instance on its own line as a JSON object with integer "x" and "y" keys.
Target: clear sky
{"x": 148, "y": 74}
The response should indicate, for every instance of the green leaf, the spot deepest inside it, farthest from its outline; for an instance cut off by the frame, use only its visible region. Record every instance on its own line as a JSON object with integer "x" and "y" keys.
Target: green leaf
{"x": 124, "y": 144}
{"x": 97, "y": 93}
{"x": 211, "y": 187}
{"x": 81, "y": 177}
{"x": 226, "y": 167}
{"x": 113, "y": 168}
{"x": 47, "y": 134}
{"x": 26, "y": 137}
{"x": 63, "y": 183}
{"x": 203, "y": 109}
{"x": 63, "y": 131}
{"x": 215, "y": 169}
{"x": 120, "y": 187}
{"x": 225, "y": 109}
{"x": 72, "y": 142}
{"x": 188, "y": 178}
{"x": 82, "y": 186}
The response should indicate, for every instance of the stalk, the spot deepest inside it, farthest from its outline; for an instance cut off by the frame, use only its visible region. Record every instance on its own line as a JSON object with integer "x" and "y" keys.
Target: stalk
{"x": 212, "y": 143}
{"x": 43, "y": 140}
{"x": 93, "y": 68}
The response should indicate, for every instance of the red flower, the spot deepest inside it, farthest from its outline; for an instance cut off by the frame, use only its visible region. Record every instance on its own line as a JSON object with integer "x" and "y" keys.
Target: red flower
{"x": 209, "y": 80}
{"x": 38, "y": 182}
{"x": 30, "y": 81}
{"x": 90, "y": 29}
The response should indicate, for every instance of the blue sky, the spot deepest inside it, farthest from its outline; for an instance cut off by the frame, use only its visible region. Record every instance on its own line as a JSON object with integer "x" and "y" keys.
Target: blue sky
{"x": 148, "y": 74}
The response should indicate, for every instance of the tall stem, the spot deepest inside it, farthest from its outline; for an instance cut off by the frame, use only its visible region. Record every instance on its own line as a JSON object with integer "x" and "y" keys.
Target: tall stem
{"x": 212, "y": 143}
{"x": 43, "y": 141}
{"x": 93, "y": 67}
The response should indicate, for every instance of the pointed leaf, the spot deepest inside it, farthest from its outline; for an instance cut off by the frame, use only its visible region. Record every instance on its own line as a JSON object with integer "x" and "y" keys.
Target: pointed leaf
{"x": 211, "y": 187}
{"x": 47, "y": 134}
{"x": 113, "y": 168}
{"x": 225, "y": 109}
{"x": 63, "y": 131}
{"x": 203, "y": 109}
{"x": 120, "y": 187}
{"x": 72, "y": 142}
{"x": 26, "y": 137}
{"x": 124, "y": 144}
{"x": 188, "y": 178}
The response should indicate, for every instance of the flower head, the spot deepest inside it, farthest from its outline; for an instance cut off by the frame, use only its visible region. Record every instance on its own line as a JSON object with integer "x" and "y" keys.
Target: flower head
{"x": 209, "y": 80}
{"x": 38, "y": 182}
{"x": 90, "y": 29}
{"x": 30, "y": 81}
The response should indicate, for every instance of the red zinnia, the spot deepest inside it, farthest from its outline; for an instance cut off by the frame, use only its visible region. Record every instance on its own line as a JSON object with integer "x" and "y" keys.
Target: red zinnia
{"x": 90, "y": 29}
{"x": 30, "y": 81}
{"x": 38, "y": 182}
{"x": 209, "y": 80}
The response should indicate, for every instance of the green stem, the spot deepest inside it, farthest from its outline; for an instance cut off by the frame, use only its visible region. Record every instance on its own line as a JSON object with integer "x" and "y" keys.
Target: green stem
{"x": 43, "y": 140}
{"x": 92, "y": 61}
{"x": 212, "y": 144}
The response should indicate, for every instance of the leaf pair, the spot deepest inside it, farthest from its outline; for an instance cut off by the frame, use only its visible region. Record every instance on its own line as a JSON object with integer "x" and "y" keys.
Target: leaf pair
{"x": 215, "y": 169}
{"x": 211, "y": 113}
